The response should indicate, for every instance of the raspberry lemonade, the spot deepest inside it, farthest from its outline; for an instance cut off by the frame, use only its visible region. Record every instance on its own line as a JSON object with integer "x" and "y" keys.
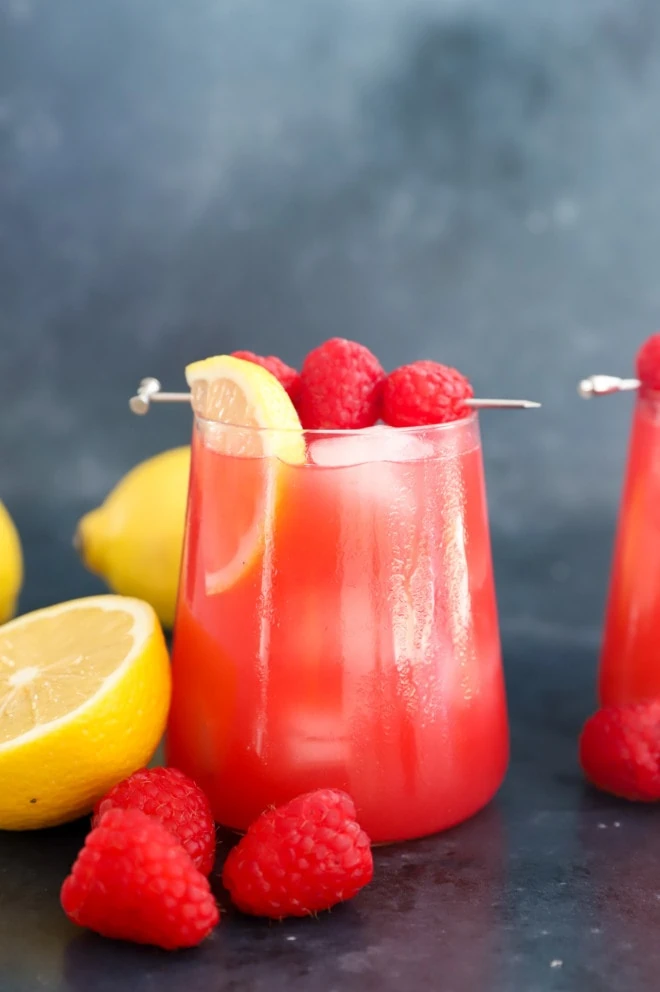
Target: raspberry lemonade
{"x": 336, "y": 622}
{"x": 630, "y": 664}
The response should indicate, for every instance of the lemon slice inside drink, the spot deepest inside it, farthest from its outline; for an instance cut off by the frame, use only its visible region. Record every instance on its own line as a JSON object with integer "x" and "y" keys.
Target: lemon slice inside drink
{"x": 84, "y": 697}
{"x": 248, "y": 435}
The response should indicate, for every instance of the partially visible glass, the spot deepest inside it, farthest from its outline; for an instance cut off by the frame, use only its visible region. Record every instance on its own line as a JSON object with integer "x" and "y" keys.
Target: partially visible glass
{"x": 351, "y": 640}
{"x": 630, "y": 665}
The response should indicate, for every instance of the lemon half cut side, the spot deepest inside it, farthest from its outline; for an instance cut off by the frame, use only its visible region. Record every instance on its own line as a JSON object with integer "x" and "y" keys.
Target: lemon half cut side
{"x": 84, "y": 697}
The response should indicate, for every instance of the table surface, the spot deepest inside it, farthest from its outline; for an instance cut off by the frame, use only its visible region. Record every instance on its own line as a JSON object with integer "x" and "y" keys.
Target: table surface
{"x": 553, "y": 887}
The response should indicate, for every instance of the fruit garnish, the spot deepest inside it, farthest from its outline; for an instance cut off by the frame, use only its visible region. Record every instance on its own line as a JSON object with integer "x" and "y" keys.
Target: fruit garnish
{"x": 134, "y": 539}
{"x": 176, "y": 801}
{"x": 340, "y": 387}
{"x": 300, "y": 858}
{"x": 288, "y": 377}
{"x": 619, "y": 750}
{"x": 11, "y": 565}
{"x": 648, "y": 362}
{"x": 245, "y": 413}
{"x": 84, "y": 696}
{"x": 235, "y": 393}
{"x": 425, "y": 393}
{"x": 133, "y": 881}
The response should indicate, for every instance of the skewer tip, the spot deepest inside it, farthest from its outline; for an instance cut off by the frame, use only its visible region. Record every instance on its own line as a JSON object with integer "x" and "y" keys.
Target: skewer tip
{"x": 501, "y": 404}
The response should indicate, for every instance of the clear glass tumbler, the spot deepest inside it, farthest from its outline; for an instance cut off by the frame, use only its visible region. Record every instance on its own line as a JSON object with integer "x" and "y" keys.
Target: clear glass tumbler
{"x": 337, "y": 626}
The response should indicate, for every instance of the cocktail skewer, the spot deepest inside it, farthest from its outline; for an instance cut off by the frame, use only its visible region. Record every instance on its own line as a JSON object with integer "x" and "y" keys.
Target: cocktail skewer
{"x": 149, "y": 391}
{"x": 605, "y": 385}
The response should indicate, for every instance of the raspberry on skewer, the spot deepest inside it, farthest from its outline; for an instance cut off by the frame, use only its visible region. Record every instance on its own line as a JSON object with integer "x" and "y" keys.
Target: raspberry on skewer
{"x": 425, "y": 393}
{"x": 341, "y": 387}
{"x": 287, "y": 376}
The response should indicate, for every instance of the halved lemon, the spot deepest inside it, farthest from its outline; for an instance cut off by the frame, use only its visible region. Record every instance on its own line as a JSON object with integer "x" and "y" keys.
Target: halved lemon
{"x": 248, "y": 435}
{"x": 84, "y": 697}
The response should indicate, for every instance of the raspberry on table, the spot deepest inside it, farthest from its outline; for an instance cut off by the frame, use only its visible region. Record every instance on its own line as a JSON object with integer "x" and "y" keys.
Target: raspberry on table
{"x": 176, "y": 801}
{"x": 340, "y": 387}
{"x": 648, "y": 363}
{"x": 425, "y": 393}
{"x": 300, "y": 858}
{"x": 132, "y": 881}
{"x": 285, "y": 375}
{"x": 619, "y": 750}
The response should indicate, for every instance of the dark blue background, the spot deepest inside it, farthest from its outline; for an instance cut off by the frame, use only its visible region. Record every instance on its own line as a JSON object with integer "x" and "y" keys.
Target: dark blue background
{"x": 469, "y": 180}
{"x": 475, "y": 181}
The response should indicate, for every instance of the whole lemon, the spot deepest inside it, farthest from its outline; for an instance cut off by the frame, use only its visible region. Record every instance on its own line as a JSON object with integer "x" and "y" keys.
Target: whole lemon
{"x": 134, "y": 539}
{"x": 11, "y": 565}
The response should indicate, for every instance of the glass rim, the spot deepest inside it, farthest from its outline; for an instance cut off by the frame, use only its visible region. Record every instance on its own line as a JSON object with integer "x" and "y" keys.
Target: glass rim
{"x": 450, "y": 427}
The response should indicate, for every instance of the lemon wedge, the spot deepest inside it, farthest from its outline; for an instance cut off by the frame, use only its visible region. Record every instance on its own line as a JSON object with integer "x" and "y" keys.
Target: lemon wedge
{"x": 84, "y": 697}
{"x": 248, "y": 436}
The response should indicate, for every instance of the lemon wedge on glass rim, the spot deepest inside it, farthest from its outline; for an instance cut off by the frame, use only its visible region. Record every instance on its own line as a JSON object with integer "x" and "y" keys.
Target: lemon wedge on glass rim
{"x": 248, "y": 432}
{"x": 84, "y": 697}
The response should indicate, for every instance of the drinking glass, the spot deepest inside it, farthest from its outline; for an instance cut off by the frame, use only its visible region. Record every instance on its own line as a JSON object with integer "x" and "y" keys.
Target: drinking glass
{"x": 337, "y": 626}
{"x": 629, "y": 668}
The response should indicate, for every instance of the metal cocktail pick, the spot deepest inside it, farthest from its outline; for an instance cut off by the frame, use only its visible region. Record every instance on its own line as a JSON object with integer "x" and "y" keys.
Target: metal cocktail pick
{"x": 149, "y": 391}
{"x": 605, "y": 385}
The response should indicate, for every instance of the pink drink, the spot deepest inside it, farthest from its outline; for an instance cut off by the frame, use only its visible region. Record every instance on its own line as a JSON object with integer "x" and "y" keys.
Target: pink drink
{"x": 360, "y": 648}
{"x": 630, "y": 664}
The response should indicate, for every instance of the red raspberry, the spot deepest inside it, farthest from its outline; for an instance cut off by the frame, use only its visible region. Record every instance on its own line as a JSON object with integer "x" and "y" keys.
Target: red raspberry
{"x": 284, "y": 374}
{"x": 425, "y": 393}
{"x": 132, "y": 881}
{"x": 298, "y": 859}
{"x": 176, "y": 801}
{"x": 340, "y": 387}
{"x": 620, "y": 750}
{"x": 648, "y": 362}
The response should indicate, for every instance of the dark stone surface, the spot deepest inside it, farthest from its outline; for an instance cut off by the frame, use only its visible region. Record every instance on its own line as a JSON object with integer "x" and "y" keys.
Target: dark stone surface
{"x": 550, "y": 888}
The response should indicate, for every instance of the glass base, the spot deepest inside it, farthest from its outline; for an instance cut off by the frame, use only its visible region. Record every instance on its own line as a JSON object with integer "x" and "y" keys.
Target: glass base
{"x": 239, "y": 832}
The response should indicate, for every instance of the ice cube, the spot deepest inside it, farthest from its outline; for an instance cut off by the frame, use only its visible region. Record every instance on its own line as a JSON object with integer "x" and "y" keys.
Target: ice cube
{"x": 378, "y": 444}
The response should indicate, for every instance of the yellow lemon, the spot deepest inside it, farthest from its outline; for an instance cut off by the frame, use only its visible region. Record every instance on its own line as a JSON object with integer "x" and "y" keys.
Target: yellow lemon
{"x": 11, "y": 565}
{"x": 134, "y": 539}
{"x": 249, "y": 435}
{"x": 84, "y": 697}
